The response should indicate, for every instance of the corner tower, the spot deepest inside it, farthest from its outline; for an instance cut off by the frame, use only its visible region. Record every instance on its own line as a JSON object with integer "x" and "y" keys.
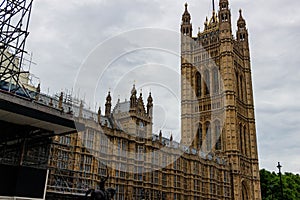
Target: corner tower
{"x": 217, "y": 108}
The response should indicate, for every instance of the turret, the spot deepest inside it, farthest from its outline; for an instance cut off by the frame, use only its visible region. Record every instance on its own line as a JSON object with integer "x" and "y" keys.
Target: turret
{"x": 160, "y": 136}
{"x": 242, "y": 32}
{"x": 225, "y": 18}
{"x": 108, "y": 105}
{"x": 186, "y": 26}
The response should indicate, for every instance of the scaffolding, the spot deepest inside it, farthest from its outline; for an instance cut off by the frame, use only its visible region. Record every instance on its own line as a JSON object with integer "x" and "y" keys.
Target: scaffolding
{"x": 14, "y": 22}
{"x": 73, "y": 168}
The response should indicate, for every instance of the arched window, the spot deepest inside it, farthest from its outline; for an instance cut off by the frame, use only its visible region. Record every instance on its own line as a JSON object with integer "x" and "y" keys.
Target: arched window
{"x": 207, "y": 82}
{"x": 244, "y": 192}
{"x": 199, "y": 136}
{"x": 215, "y": 81}
{"x": 218, "y": 135}
{"x": 208, "y": 136}
{"x": 198, "y": 84}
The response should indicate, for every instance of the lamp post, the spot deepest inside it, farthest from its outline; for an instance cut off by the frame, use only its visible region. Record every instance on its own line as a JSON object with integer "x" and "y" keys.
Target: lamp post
{"x": 281, "y": 188}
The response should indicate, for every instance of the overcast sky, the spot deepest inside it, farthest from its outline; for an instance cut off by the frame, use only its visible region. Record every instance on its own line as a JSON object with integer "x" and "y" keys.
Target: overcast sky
{"x": 67, "y": 36}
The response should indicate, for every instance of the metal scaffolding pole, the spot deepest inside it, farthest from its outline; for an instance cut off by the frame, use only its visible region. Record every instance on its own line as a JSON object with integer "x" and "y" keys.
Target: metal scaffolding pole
{"x": 14, "y": 23}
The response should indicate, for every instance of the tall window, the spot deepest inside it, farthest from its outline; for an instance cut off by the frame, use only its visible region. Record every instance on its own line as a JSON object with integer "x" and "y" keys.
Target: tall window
{"x": 245, "y": 140}
{"x": 197, "y": 185}
{"x": 88, "y": 138}
{"x": 237, "y": 85}
{"x": 138, "y": 175}
{"x": 120, "y": 192}
{"x": 122, "y": 148}
{"x": 141, "y": 130}
{"x": 198, "y": 85}
{"x": 207, "y": 82}
{"x": 155, "y": 178}
{"x": 103, "y": 144}
{"x": 177, "y": 181}
{"x": 120, "y": 170}
{"x": 208, "y": 136}
{"x": 241, "y": 89}
{"x": 199, "y": 136}
{"x": 140, "y": 153}
{"x": 218, "y": 135}
{"x": 155, "y": 158}
{"x": 241, "y": 139}
{"x": 102, "y": 170}
{"x": 164, "y": 179}
{"x": 244, "y": 192}
{"x": 86, "y": 163}
{"x": 215, "y": 81}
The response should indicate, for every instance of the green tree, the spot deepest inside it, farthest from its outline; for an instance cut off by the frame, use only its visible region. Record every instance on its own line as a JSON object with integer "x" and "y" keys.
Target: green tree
{"x": 270, "y": 186}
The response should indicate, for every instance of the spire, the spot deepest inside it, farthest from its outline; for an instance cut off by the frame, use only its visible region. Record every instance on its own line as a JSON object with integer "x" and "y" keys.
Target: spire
{"x": 241, "y": 23}
{"x": 149, "y": 105}
{"x": 186, "y": 26}
{"x": 213, "y": 3}
{"x": 186, "y": 10}
{"x": 242, "y": 33}
{"x": 133, "y": 91}
{"x": 160, "y": 136}
{"x": 108, "y": 105}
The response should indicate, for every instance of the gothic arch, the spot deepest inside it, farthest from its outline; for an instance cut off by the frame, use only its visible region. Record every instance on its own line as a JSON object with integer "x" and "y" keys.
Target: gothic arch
{"x": 245, "y": 195}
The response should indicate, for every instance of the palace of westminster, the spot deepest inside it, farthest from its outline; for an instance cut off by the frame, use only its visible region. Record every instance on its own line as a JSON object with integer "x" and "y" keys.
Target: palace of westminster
{"x": 217, "y": 155}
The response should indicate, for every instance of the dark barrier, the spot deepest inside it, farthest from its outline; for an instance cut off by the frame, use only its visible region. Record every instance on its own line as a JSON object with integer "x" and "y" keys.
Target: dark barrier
{"x": 22, "y": 181}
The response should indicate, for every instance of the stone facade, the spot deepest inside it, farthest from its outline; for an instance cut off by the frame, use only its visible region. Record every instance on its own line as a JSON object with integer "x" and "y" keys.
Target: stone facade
{"x": 140, "y": 165}
{"x": 217, "y": 155}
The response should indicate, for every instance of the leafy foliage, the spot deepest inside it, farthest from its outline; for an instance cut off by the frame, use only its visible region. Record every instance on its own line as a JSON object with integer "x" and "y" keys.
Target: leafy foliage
{"x": 270, "y": 186}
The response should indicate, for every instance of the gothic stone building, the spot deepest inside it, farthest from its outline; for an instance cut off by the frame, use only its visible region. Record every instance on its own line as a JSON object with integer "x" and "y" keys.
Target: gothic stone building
{"x": 217, "y": 96}
{"x": 217, "y": 155}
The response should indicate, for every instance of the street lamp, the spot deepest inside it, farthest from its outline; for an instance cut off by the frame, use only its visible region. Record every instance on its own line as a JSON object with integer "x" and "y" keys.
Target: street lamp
{"x": 279, "y": 168}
